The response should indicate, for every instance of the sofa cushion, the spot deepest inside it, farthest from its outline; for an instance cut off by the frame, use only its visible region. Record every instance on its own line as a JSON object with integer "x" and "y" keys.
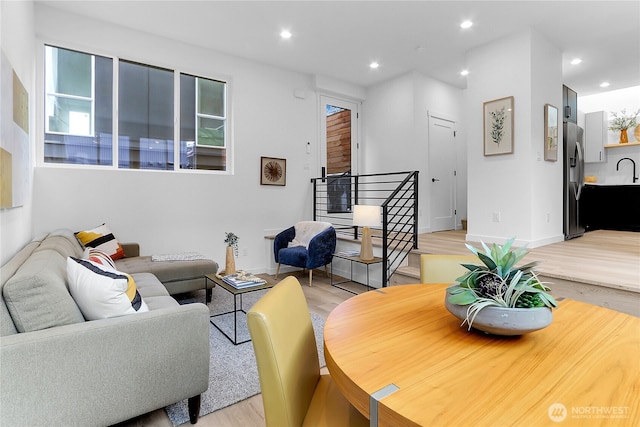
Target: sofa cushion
{"x": 102, "y": 292}
{"x": 101, "y": 238}
{"x": 168, "y": 271}
{"x": 8, "y": 270}
{"x": 159, "y": 302}
{"x": 62, "y": 241}
{"x": 37, "y": 296}
{"x": 149, "y": 286}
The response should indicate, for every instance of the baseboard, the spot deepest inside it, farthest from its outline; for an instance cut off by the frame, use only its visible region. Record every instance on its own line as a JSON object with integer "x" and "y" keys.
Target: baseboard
{"x": 531, "y": 244}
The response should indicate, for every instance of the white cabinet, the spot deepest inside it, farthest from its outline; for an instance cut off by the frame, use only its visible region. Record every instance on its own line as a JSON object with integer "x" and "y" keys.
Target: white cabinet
{"x": 596, "y": 126}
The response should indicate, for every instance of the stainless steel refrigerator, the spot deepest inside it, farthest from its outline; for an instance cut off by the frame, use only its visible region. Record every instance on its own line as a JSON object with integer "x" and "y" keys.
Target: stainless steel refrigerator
{"x": 573, "y": 179}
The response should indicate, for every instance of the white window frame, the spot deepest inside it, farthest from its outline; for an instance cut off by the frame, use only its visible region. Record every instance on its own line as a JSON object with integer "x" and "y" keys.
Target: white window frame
{"x": 209, "y": 116}
{"x": 44, "y": 127}
{"x": 75, "y": 97}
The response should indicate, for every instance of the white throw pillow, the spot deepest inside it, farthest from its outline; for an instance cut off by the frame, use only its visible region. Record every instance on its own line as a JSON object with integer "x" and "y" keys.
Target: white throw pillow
{"x": 100, "y": 292}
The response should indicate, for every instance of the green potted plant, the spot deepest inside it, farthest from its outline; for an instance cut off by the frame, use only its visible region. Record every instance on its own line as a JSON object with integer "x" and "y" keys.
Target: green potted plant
{"x": 622, "y": 121}
{"x": 498, "y": 297}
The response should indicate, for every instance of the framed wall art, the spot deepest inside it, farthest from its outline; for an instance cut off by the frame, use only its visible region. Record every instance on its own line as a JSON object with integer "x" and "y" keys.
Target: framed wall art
{"x": 498, "y": 126}
{"x": 550, "y": 133}
{"x": 273, "y": 171}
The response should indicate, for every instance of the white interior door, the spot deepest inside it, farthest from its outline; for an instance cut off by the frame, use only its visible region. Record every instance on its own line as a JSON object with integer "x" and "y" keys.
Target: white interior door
{"x": 442, "y": 174}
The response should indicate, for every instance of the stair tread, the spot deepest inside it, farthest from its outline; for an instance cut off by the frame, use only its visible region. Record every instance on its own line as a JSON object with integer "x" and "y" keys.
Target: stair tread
{"x": 409, "y": 271}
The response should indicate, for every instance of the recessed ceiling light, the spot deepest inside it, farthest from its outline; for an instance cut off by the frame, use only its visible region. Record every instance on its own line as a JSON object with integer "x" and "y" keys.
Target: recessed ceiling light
{"x": 374, "y": 65}
{"x": 576, "y": 61}
{"x": 604, "y": 84}
{"x": 285, "y": 34}
{"x": 464, "y": 72}
{"x": 466, "y": 24}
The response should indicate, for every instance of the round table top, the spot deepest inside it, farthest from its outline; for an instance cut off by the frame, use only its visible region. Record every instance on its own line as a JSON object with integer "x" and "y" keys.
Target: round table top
{"x": 447, "y": 375}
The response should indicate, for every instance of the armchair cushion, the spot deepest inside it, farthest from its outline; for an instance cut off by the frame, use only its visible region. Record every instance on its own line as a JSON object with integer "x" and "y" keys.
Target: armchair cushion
{"x": 316, "y": 253}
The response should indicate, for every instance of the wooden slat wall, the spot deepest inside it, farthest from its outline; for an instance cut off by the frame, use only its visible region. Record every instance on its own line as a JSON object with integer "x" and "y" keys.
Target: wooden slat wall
{"x": 339, "y": 142}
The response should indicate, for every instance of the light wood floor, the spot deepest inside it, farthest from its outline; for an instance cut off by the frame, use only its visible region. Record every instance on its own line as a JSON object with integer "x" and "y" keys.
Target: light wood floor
{"x": 599, "y": 260}
{"x": 600, "y": 257}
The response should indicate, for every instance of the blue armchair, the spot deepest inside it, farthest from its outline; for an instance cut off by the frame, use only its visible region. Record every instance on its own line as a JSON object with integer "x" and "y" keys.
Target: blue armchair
{"x": 308, "y": 245}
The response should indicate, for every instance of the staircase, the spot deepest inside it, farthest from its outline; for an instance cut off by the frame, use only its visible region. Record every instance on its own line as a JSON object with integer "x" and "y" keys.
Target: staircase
{"x": 409, "y": 273}
{"x": 397, "y": 195}
{"x": 442, "y": 242}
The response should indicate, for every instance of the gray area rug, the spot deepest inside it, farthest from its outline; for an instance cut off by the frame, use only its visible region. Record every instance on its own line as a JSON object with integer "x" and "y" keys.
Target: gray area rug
{"x": 233, "y": 374}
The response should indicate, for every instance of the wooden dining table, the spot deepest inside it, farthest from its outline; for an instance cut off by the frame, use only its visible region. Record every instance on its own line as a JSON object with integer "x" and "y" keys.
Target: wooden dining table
{"x": 402, "y": 359}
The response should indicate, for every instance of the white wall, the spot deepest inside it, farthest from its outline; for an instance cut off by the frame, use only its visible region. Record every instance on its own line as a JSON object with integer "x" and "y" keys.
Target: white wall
{"x": 613, "y": 101}
{"x": 173, "y": 212}
{"x": 547, "y": 177}
{"x": 396, "y": 132}
{"x": 521, "y": 187}
{"x": 17, "y": 42}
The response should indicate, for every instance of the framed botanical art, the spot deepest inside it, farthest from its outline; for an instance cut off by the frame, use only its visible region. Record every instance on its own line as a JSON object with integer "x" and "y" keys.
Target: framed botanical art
{"x": 498, "y": 126}
{"x": 273, "y": 171}
{"x": 550, "y": 133}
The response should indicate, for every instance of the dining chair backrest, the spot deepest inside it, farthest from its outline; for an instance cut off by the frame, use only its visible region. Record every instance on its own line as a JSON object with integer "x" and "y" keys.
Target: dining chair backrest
{"x": 286, "y": 353}
{"x": 444, "y": 268}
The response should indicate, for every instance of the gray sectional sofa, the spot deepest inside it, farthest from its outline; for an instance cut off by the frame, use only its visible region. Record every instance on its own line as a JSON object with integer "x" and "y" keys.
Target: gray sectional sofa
{"x": 58, "y": 369}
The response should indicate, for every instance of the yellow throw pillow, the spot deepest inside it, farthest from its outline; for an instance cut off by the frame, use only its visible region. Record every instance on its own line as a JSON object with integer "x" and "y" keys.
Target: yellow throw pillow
{"x": 101, "y": 238}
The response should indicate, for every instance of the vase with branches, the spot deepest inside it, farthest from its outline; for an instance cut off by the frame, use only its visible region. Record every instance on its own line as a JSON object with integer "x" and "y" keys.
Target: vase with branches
{"x": 232, "y": 251}
{"x": 622, "y": 121}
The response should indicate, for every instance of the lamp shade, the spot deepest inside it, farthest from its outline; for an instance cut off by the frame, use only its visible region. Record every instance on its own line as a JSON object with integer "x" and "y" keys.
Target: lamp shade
{"x": 367, "y": 216}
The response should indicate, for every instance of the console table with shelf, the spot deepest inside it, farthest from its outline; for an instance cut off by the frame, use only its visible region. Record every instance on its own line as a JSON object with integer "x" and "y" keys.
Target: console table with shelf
{"x": 353, "y": 259}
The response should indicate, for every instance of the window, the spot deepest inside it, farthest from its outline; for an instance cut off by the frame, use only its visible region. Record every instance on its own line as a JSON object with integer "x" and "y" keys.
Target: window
{"x": 79, "y": 118}
{"x": 78, "y": 107}
{"x": 203, "y": 123}
{"x": 145, "y": 119}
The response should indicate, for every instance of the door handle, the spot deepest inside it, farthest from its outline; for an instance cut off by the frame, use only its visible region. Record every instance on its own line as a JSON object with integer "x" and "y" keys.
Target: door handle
{"x": 434, "y": 179}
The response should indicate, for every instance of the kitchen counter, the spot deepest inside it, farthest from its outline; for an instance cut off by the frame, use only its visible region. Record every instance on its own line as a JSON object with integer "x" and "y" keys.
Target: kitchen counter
{"x": 610, "y": 207}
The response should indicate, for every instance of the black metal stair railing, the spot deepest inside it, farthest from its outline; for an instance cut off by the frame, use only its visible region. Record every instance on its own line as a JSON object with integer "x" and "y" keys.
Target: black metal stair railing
{"x": 396, "y": 192}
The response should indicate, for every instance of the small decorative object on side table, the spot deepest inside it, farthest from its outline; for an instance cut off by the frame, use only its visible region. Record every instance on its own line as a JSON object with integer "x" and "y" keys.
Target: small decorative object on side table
{"x": 232, "y": 250}
{"x": 498, "y": 298}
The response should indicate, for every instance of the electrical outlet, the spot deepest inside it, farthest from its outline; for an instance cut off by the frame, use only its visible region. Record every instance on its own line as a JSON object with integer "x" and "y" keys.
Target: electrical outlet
{"x": 548, "y": 217}
{"x": 496, "y": 217}
{"x": 245, "y": 252}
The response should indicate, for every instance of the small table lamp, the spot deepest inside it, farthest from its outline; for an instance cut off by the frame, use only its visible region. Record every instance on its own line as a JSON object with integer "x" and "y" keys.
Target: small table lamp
{"x": 365, "y": 217}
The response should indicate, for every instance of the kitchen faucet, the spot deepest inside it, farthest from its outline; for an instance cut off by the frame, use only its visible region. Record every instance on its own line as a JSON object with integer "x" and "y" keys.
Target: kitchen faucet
{"x": 635, "y": 178}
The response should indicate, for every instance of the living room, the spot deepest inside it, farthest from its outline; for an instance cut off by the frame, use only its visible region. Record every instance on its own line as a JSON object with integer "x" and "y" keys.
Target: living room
{"x": 186, "y": 205}
{"x": 275, "y": 113}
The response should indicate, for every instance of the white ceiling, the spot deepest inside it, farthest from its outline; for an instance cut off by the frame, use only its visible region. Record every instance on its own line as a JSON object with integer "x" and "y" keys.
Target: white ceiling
{"x": 340, "y": 38}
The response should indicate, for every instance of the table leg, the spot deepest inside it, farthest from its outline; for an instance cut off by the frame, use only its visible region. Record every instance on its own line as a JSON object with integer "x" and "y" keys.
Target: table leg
{"x": 375, "y": 398}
